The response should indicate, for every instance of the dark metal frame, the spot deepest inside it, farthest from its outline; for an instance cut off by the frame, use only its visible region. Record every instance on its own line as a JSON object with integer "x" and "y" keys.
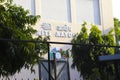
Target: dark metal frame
{"x": 56, "y": 76}
{"x": 48, "y": 43}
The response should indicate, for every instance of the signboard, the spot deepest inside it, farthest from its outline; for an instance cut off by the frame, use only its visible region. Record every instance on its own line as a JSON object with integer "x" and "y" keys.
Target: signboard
{"x": 62, "y": 31}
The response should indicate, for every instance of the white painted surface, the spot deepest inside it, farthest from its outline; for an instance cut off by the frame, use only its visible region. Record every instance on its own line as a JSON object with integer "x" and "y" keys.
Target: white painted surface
{"x": 116, "y": 7}
{"x": 24, "y": 74}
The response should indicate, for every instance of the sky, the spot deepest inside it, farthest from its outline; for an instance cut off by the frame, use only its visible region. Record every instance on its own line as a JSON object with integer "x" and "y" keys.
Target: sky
{"x": 116, "y": 8}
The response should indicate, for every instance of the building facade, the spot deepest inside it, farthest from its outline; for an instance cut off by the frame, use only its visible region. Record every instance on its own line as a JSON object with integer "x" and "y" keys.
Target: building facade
{"x": 61, "y": 19}
{"x": 73, "y": 12}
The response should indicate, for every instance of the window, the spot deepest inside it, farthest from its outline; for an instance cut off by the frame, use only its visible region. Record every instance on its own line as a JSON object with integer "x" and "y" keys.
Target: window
{"x": 60, "y": 10}
{"x": 84, "y": 11}
{"x": 96, "y": 12}
{"x": 87, "y": 10}
{"x": 27, "y": 5}
{"x": 55, "y": 10}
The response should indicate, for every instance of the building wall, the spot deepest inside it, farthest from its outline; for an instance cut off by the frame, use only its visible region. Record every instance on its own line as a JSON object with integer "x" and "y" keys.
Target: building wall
{"x": 106, "y": 15}
{"x": 68, "y": 14}
{"x": 72, "y": 11}
{"x": 97, "y": 12}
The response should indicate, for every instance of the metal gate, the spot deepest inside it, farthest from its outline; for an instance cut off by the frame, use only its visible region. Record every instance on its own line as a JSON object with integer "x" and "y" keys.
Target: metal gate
{"x": 59, "y": 70}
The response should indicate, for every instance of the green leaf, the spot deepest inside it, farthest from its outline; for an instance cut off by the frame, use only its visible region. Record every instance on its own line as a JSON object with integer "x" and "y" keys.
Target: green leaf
{"x": 17, "y": 24}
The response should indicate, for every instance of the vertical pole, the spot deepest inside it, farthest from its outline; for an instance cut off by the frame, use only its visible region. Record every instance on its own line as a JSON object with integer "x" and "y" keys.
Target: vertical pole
{"x": 39, "y": 67}
{"x": 116, "y": 63}
{"x": 116, "y": 71}
{"x": 68, "y": 68}
{"x": 54, "y": 66}
{"x": 48, "y": 44}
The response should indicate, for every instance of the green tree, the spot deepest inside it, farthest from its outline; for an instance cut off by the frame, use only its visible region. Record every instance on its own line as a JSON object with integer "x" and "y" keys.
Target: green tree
{"x": 85, "y": 57}
{"x": 117, "y": 36}
{"x": 117, "y": 30}
{"x": 17, "y": 24}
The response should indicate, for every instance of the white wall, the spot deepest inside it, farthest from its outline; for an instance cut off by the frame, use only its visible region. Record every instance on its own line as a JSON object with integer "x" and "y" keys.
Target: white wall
{"x": 24, "y": 74}
{"x": 106, "y": 15}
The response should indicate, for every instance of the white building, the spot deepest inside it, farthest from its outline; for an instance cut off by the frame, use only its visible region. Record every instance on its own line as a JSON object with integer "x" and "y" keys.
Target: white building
{"x": 60, "y": 19}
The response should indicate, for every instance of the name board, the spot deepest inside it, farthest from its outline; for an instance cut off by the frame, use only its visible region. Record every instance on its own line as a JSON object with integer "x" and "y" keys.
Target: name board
{"x": 62, "y": 31}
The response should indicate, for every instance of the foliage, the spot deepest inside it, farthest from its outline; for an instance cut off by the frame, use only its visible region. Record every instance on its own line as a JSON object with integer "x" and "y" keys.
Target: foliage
{"x": 117, "y": 36}
{"x": 64, "y": 53}
{"x": 117, "y": 29}
{"x": 85, "y": 57}
{"x": 16, "y": 24}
